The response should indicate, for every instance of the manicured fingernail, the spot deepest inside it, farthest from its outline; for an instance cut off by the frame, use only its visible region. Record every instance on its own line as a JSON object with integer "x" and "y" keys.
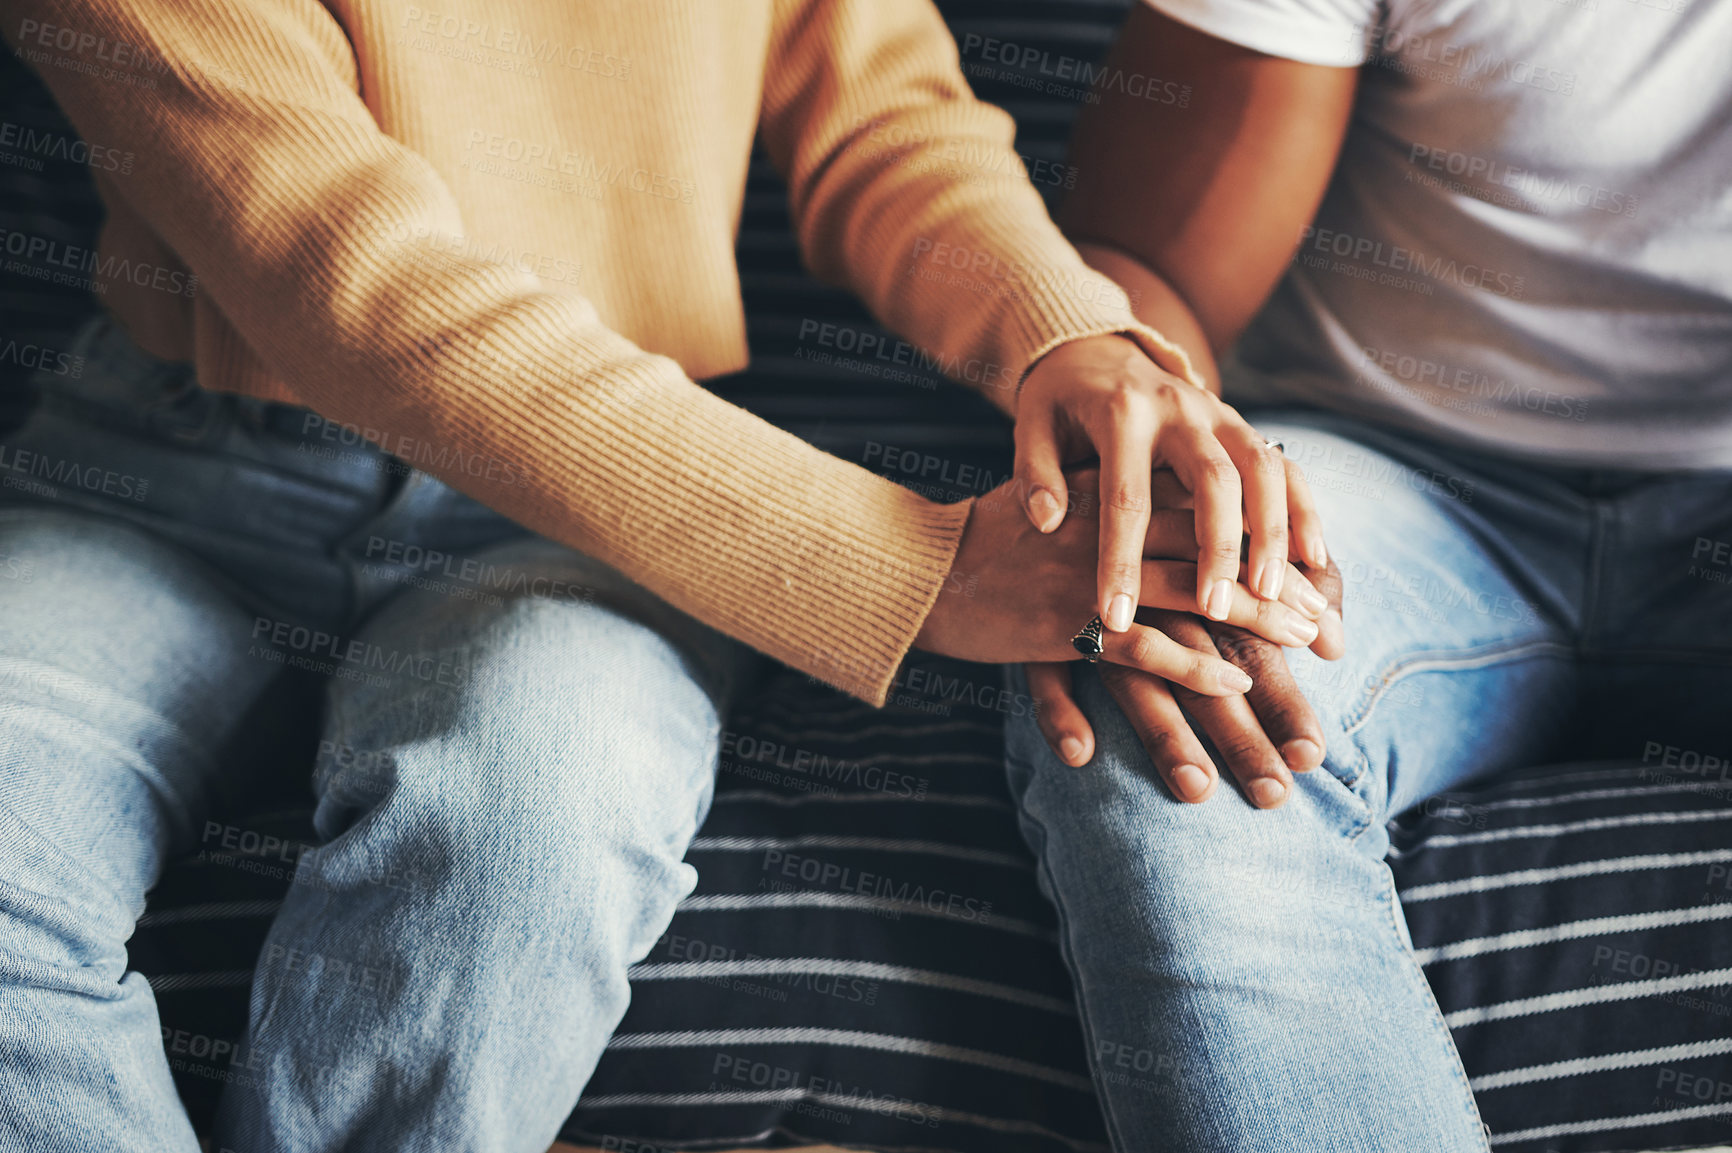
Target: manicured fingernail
{"x": 1071, "y": 750}
{"x": 1119, "y": 613}
{"x": 1047, "y": 511}
{"x": 1269, "y": 578}
{"x": 1190, "y": 781}
{"x": 1331, "y": 623}
{"x": 1316, "y": 553}
{"x": 1311, "y": 600}
{"x": 1220, "y": 601}
{"x": 1300, "y": 632}
{"x": 1301, "y": 754}
{"x": 1234, "y": 679}
{"x": 1266, "y": 792}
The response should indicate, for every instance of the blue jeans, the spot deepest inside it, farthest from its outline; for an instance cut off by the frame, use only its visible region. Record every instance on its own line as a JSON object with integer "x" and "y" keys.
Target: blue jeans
{"x": 1246, "y": 977}
{"x": 518, "y": 745}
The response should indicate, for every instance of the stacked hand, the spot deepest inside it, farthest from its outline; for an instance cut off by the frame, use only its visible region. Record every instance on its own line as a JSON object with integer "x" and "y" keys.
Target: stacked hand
{"x": 1265, "y": 735}
{"x": 1103, "y": 397}
{"x": 1183, "y": 485}
{"x": 1020, "y": 594}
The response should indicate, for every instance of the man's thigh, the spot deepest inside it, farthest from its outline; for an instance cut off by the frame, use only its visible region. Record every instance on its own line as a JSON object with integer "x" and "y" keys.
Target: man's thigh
{"x": 1459, "y": 609}
{"x": 1243, "y": 976}
{"x": 1250, "y": 948}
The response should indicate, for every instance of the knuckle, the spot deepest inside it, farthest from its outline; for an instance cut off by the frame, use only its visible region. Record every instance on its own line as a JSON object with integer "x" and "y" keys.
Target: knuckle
{"x": 1163, "y": 745}
{"x": 1175, "y": 395}
{"x": 1191, "y": 397}
{"x": 1055, "y": 711}
{"x": 1220, "y": 472}
{"x": 1292, "y": 718}
{"x": 1126, "y": 399}
{"x": 1222, "y": 553}
{"x": 1126, "y": 497}
{"x": 1240, "y": 746}
{"x": 1123, "y": 575}
{"x": 1244, "y": 649}
{"x": 1235, "y": 430}
{"x": 1143, "y": 650}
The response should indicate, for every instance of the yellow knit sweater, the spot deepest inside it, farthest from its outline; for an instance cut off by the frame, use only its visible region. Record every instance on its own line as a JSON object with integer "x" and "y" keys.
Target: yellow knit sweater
{"x": 497, "y": 236}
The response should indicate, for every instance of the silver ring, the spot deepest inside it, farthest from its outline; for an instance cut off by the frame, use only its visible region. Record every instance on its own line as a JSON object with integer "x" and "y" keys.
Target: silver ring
{"x": 1276, "y": 445}
{"x": 1088, "y": 641}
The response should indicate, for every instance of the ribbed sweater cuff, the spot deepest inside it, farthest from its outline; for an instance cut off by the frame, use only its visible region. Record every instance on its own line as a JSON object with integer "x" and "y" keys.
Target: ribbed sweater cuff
{"x": 1049, "y": 317}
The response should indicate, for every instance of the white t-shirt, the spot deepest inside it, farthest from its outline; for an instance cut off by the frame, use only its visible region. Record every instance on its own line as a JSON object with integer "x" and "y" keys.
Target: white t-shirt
{"x": 1527, "y": 244}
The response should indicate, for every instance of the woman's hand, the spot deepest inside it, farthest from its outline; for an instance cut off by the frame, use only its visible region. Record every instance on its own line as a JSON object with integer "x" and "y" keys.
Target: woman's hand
{"x": 1016, "y": 594}
{"x": 1265, "y": 736}
{"x": 1102, "y": 396}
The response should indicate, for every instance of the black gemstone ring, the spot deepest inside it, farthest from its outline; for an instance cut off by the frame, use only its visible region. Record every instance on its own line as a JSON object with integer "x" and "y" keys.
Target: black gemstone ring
{"x": 1088, "y": 642}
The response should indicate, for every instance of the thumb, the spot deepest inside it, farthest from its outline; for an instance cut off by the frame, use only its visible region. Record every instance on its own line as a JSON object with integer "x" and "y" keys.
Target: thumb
{"x": 1039, "y": 476}
{"x": 1061, "y": 722}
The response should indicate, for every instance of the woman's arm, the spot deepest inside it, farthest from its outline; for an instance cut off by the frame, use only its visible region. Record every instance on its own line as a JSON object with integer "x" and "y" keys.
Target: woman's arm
{"x": 262, "y": 168}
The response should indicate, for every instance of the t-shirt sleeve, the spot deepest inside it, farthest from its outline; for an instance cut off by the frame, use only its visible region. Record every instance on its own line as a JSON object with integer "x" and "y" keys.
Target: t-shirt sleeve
{"x": 1338, "y": 33}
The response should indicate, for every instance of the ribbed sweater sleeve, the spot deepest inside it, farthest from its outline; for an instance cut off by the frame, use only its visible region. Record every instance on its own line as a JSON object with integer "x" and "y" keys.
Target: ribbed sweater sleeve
{"x": 260, "y": 166}
{"x": 907, "y": 190}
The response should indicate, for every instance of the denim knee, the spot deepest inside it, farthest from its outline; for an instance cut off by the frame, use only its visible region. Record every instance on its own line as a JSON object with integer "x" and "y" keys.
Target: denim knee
{"x": 123, "y": 668}
{"x": 563, "y": 766}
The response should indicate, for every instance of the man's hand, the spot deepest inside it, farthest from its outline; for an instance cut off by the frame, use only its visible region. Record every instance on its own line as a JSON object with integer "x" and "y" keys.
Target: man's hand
{"x": 1265, "y": 736}
{"x": 1102, "y": 396}
{"x": 1015, "y": 594}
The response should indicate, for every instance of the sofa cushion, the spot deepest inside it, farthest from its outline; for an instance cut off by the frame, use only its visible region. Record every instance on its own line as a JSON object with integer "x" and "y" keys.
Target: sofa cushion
{"x": 1576, "y": 925}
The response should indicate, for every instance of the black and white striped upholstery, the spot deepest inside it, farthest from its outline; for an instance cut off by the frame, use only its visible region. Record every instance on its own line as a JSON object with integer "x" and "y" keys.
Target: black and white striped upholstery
{"x": 1576, "y": 925}
{"x": 867, "y": 959}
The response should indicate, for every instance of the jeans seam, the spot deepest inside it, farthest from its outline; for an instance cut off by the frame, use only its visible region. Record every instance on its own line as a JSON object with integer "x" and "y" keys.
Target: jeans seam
{"x": 1447, "y": 660}
{"x": 1392, "y": 907}
{"x": 1364, "y": 771}
{"x": 1083, "y": 1017}
{"x": 1392, "y": 911}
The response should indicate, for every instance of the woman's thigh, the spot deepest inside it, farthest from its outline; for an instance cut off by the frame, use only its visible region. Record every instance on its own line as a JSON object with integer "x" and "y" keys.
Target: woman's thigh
{"x": 124, "y": 670}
